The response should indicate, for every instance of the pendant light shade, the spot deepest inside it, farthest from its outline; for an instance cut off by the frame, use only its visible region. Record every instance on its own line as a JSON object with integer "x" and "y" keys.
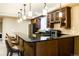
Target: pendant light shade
{"x": 44, "y": 12}
{"x": 24, "y": 17}
{"x": 20, "y": 20}
{"x": 60, "y": 12}
{"x": 22, "y": 14}
{"x": 30, "y": 13}
{"x": 19, "y": 17}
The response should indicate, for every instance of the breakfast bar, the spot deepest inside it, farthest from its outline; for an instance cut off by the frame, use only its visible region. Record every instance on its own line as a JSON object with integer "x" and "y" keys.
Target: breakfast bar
{"x": 47, "y": 45}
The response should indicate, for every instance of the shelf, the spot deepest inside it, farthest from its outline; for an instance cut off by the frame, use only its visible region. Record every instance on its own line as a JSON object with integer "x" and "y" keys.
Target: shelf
{"x": 55, "y": 21}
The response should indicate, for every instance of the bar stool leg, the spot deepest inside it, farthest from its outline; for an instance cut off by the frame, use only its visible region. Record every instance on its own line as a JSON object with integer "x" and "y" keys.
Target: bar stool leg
{"x": 18, "y": 53}
{"x": 11, "y": 53}
{"x": 7, "y": 53}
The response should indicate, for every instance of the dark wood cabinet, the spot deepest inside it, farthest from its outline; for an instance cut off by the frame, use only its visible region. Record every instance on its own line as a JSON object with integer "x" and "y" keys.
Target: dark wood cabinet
{"x": 52, "y": 47}
{"x": 47, "y": 48}
{"x": 50, "y": 18}
{"x": 29, "y": 49}
{"x": 59, "y": 47}
{"x": 35, "y": 24}
{"x": 65, "y": 20}
{"x": 63, "y": 46}
{"x": 66, "y": 46}
{"x": 53, "y": 18}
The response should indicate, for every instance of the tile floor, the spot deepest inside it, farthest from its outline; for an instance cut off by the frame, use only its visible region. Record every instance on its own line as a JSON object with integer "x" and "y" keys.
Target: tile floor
{"x": 3, "y": 51}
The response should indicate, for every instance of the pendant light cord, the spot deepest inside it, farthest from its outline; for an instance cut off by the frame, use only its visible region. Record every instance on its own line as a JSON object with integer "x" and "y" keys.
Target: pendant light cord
{"x": 44, "y": 5}
{"x": 18, "y": 15}
{"x": 24, "y": 9}
{"x": 30, "y": 6}
{"x": 60, "y": 6}
{"x": 21, "y": 13}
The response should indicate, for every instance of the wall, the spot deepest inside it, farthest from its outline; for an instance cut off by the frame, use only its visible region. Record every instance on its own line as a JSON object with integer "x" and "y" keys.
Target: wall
{"x": 75, "y": 19}
{"x": 0, "y": 27}
{"x": 10, "y": 25}
{"x": 23, "y": 27}
{"x": 74, "y": 22}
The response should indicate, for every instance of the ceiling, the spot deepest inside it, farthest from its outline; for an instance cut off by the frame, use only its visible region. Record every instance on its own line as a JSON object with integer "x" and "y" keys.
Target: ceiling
{"x": 11, "y": 9}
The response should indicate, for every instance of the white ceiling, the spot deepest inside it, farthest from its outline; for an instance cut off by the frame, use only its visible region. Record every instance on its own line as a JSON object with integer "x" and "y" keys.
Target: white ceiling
{"x": 11, "y": 9}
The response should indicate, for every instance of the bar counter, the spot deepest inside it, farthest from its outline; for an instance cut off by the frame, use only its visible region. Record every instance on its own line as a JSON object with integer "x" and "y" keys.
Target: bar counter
{"x": 43, "y": 38}
{"x": 47, "y": 45}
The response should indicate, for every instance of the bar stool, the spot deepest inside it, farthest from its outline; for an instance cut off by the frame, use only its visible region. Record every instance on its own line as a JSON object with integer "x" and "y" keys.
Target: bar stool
{"x": 13, "y": 49}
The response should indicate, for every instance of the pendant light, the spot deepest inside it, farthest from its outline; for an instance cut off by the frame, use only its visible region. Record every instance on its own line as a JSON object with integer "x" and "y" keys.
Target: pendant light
{"x": 24, "y": 14}
{"x": 30, "y": 11}
{"x": 60, "y": 12}
{"x": 45, "y": 9}
{"x": 20, "y": 15}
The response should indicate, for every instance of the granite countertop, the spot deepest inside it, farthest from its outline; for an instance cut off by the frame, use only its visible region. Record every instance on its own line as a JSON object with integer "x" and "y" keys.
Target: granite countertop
{"x": 43, "y": 38}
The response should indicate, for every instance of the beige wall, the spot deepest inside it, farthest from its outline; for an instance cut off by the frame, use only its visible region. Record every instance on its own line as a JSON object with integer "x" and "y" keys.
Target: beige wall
{"x": 74, "y": 22}
{"x": 23, "y": 27}
{"x": 0, "y": 27}
{"x": 10, "y": 25}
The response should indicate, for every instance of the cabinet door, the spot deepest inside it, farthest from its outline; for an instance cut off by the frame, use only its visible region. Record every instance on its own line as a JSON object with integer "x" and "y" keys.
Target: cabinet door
{"x": 66, "y": 18}
{"x": 52, "y": 48}
{"x": 66, "y": 46}
{"x": 47, "y": 48}
{"x": 41, "y": 48}
{"x": 76, "y": 46}
{"x": 50, "y": 19}
{"x": 28, "y": 49}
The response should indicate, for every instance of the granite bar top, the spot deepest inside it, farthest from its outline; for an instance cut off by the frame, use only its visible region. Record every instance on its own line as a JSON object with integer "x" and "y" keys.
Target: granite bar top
{"x": 43, "y": 38}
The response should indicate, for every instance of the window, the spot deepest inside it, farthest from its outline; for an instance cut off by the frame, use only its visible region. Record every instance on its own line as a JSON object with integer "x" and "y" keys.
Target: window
{"x": 43, "y": 23}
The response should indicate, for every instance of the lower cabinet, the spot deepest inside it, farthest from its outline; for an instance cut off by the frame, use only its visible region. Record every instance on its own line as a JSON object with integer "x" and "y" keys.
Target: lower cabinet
{"x": 66, "y": 46}
{"x": 76, "y": 46}
{"x": 47, "y": 48}
{"x": 59, "y": 47}
{"x": 54, "y": 47}
{"x": 29, "y": 49}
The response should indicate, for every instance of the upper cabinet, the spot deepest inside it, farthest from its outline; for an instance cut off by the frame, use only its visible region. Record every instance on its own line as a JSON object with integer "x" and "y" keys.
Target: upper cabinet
{"x": 36, "y": 22}
{"x": 50, "y": 18}
{"x": 64, "y": 21}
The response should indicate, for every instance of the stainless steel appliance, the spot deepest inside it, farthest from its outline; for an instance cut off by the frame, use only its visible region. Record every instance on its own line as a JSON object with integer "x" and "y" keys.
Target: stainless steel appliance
{"x": 55, "y": 33}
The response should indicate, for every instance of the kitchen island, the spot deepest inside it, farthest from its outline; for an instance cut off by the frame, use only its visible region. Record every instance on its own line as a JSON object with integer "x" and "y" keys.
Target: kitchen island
{"x": 47, "y": 45}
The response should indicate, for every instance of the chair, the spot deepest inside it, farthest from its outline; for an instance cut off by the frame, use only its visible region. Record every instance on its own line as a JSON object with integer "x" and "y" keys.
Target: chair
{"x": 12, "y": 50}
